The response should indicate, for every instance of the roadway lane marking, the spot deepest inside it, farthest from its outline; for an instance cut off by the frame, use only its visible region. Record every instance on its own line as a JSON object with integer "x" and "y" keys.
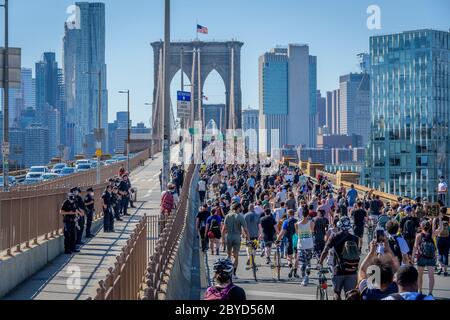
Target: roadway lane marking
{"x": 281, "y": 295}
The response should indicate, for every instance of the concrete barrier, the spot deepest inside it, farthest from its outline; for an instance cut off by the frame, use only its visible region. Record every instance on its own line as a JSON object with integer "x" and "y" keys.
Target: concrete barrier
{"x": 21, "y": 266}
{"x": 179, "y": 285}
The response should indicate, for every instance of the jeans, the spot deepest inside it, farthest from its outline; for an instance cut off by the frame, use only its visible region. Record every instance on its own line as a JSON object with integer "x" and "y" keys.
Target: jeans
{"x": 202, "y": 196}
{"x": 443, "y": 246}
{"x": 125, "y": 205}
{"x": 89, "y": 218}
{"x": 441, "y": 198}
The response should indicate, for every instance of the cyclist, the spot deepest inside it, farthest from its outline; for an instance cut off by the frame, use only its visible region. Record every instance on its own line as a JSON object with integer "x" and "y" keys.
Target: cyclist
{"x": 346, "y": 255}
{"x": 305, "y": 247}
{"x": 224, "y": 289}
{"x": 252, "y": 220}
{"x": 320, "y": 229}
{"x": 234, "y": 225}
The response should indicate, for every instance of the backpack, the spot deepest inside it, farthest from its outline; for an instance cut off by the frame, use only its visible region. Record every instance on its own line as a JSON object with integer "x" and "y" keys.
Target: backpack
{"x": 348, "y": 260}
{"x": 222, "y": 294}
{"x": 427, "y": 248}
{"x": 409, "y": 231}
{"x": 290, "y": 230}
{"x": 214, "y": 225}
{"x": 167, "y": 202}
{"x": 395, "y": 247}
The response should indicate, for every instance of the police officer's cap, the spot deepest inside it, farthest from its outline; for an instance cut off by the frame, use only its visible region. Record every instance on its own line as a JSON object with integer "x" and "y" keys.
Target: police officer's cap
{"x": 73, "y": 190}
{"x": 79, "y": 189}
{"x": 90, "y": 190}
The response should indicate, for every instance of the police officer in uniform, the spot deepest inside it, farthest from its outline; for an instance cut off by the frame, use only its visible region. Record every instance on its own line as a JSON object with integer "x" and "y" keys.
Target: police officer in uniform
{"x": 124, "y": 191}
{"x": 79, "y": 203}
{"x": 108, "y": 219}
{"x": 69, "y": 213}
{"x": 115, "y": 203}
{"x": 89, "y": 201}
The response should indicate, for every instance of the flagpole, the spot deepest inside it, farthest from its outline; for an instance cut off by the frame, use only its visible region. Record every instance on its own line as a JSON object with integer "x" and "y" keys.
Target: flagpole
{"x": 196, "y": 29}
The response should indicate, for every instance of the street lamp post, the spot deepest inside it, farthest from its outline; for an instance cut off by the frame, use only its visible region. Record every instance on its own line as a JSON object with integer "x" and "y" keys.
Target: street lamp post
{"x": 98, "y": 136}
{"x": 152, "y": 124}
{"x": 6, "y": 102}
{"x": 129, "y": 129}
{"x": 166, "y": 96}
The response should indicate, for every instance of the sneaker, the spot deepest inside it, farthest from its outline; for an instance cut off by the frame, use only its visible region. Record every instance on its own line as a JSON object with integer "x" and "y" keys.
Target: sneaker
{"x": 262, "y": 253}
{"x": 445, "y": 274}
{"x": 218, "y": 252}
{"x": 305, "y": 281}
{"x": 439, "y": 272}
{"x": 248, "y": 262}
{"x": 296, "y": 274}
{"x": 268, "y": 261}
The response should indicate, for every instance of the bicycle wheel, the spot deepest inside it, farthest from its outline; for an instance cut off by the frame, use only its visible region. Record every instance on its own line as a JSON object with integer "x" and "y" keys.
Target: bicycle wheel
{"x": 278, "y": 265}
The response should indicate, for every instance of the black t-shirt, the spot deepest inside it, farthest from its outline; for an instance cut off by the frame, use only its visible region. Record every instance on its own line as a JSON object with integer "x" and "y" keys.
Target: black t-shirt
{"x": 375, "y": 206}
{"x": 80, "y": 203}
{"x": 414, "y": 219}
{"x": 68, "y": 207}
{"x": 88, "y": 199}
{"x": 268, "y": 225}
{"x": 320, "y": 227}
{"x": 237, "y": 294}
{"x": 124, "y": 186}
{"x": 106, "y": 198}
{"x": 358, "y": 217}
{"x": 202, "y": 216}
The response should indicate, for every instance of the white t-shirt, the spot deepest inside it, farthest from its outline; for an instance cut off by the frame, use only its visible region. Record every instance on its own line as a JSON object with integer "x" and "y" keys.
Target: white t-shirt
{"x": 442, "y": 187}
{"x": 202, "y": 185}
{"x": 305, "y": 236}
{"x": 279, "y": 213}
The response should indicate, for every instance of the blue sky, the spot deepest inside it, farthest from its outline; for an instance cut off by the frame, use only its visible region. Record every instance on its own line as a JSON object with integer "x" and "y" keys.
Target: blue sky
{"x": 335, "y": 31}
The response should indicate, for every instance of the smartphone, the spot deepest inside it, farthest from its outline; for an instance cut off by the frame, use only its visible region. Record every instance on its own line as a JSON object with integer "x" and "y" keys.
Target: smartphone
{"x": 380, "y": 235}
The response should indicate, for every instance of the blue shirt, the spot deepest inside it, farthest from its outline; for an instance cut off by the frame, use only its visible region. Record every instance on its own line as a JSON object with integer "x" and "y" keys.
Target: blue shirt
{"x": 352, "y": 195}
{"x": 410, "y": 296}
{"x": 211, "y": 218}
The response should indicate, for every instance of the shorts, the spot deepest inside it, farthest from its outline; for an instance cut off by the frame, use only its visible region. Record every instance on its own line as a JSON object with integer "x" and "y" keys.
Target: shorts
{"x": 346, "y": 282}
{"x": 234, "y": 242}
{"x": 268, "y": 241}
{"x": 358, "y": 231}
{"x": 290, "y": 247}
{"x": 305, "y": 255}
{"x": 426, "y": 262}
{"x": 217, "y": 234}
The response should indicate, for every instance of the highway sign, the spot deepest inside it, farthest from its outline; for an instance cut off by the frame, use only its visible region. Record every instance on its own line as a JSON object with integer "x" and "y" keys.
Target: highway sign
{"x": 98, "y": 153}
{"x": 183, "y": 104}
{"x": 14, "y": 55}
{"x": 5, "y": 148}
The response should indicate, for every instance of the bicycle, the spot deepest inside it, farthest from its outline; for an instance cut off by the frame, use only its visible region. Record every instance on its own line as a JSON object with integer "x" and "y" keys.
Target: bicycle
{"x": 322, "y": 285}
{"x": 252, "y": 247}
{"x": 277, "y": 260}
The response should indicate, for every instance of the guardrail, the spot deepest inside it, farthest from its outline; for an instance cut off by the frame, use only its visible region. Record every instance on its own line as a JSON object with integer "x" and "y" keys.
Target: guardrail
{"x": 161, "y": 262}
{"x": 30, "y": 215}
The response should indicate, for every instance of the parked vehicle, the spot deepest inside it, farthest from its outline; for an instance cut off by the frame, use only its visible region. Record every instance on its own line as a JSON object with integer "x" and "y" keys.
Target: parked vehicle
{"x": 83, "y": 167}
{"x": 58, "y": 167}
{"x": 49, "y": 176}
{"x": 121, "y": 158}
{"x": 67, "y": 171}
{"x": 38, "y": 169}
{"x": 82, "y": 161}
{"x": 11, "y": 179}
{"x": 33, "y": 178}
{"x": 110, "y": 162}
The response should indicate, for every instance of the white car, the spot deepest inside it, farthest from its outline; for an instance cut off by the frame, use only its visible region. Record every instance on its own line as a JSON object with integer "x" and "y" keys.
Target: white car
{"x": 67, "y": 171}
{"x": 83, "y": 167}
{"x": 58, "y": 167}
{"x": 110, "y": 162}
{"x": 82, "y": 161}
{"x": 33, "y": 178}
{"x": 38, "y": 169}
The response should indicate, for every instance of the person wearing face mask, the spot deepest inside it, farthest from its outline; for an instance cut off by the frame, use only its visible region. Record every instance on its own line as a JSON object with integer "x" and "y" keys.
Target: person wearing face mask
{"x": 89, "y": 204}
{"x": 69, "y": 212}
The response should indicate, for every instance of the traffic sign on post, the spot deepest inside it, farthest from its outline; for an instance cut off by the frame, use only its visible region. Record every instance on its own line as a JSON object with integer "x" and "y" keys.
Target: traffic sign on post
{"x": 183, "y": 104}
{"x": 5, "y": 148}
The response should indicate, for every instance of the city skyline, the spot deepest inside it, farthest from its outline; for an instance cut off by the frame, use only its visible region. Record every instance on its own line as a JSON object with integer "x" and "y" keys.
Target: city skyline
{"x": 303, "y": 22}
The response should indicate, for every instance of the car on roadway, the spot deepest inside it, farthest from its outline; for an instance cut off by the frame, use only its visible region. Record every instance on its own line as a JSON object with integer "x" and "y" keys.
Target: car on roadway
{"x": 38, "y": 169}
{"x": 11, "y": 179}
{"x": 82, "y": 161}
{"x": 110, "y": 162}
{"x": 67, "y": 171}
{"x": 49, "y": 176}
{"x": 33, "y": 178}
{"x": 58, "y": 167}
{"x": 83, "y": 167}
{"x": 121, "y": 158}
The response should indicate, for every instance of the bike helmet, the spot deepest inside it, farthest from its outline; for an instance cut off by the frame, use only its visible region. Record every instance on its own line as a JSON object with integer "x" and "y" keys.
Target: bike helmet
{"x": 223, "y": 266}
{"x": 344, "y": 224}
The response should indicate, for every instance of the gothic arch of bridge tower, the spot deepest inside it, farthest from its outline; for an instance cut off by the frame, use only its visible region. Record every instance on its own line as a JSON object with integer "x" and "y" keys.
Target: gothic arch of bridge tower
{"x": 198, "y": 60}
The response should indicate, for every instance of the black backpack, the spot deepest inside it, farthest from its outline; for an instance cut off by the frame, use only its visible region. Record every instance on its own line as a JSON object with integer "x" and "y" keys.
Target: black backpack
{"x": 290, "y": 230}
{"x": 395, "y": 247}
{"x": 409, "y": 231}
{"x": 427, "y": 248}
{"x": 348, "y": 259}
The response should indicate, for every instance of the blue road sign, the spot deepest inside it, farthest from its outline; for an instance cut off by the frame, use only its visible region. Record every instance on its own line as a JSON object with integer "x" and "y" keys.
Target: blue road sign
{"x": 183, "y": 96}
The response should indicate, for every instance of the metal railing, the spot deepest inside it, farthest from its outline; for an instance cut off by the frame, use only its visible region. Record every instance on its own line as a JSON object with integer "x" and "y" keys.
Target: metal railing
{"x": 125, "y": 279}
{"x": 30, "y": 215}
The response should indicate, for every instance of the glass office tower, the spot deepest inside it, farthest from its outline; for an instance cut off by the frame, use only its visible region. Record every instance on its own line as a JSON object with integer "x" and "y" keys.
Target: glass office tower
{"x": 410, "y": 112}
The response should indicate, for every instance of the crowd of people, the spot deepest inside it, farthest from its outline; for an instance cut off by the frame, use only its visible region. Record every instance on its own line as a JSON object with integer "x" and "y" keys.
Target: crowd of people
{"x": 78, "y": 211}
{"x": 344, "y": 231}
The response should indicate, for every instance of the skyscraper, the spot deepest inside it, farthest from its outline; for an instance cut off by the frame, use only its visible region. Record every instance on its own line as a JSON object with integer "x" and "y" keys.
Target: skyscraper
{"x": 332, "y": 112}
{"x": 354, "y": 108}
{"x": 321, "y": 110}
{"x": 410, "y": 103}
{"x": 250, "y": 126}
{"x": 27, "y": 88}
{"x": 84, "y": 58}
{"x": 36, "y": 145}
{"x": 287, "y": 89}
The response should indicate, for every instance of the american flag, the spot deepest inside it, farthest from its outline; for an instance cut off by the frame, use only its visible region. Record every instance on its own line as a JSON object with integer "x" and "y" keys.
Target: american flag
{"x": 202, "y": 29}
